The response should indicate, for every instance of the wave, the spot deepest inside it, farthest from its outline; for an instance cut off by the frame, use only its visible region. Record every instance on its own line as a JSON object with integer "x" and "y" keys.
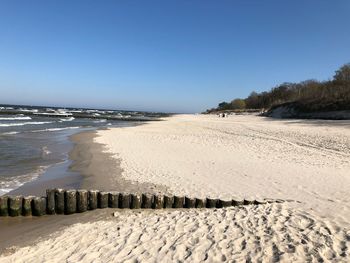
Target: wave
{"x": 100, "y": 121}
{"x": 14, "y": 182}
{"x": 68, "y": 119}
{"x": 24, "y": 123}
{"x": 14, "y": 118}
{"x": 56, "y": 129}
{"x": 54, "y": 114}
{"x": 9, "y": 133}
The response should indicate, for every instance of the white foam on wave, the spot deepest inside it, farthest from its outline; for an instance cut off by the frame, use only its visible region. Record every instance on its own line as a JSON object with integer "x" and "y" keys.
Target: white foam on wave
{"x": 68, "y": 119}
{"x": 15, "y": 118}
{"x": 12, "y": 183}
{"x": 100, "y": 121}
{"x": 56, "y": 129}
{"x": 26, "y": 110}
{"x": 54, "y": 113}
{"x": 10, "y": 133}
{"x": 24, "y": 123}
{"x": 45, "y": 151}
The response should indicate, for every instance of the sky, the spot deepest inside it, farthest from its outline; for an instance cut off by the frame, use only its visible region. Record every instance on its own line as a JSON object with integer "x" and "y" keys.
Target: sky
{"x": 171, "y": 56}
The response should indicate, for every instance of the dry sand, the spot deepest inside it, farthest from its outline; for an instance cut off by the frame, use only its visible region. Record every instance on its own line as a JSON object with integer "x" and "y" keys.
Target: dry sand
{"x": 245, "y": 156}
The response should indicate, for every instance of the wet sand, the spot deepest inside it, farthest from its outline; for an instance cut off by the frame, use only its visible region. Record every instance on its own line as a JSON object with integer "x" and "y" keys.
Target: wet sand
{"x": 100, "y": 170}
{"x": 91, "y": 168}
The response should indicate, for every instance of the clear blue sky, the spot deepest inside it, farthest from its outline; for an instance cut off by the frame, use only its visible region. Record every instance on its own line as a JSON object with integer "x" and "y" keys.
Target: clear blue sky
{"x": 183, "y": 56}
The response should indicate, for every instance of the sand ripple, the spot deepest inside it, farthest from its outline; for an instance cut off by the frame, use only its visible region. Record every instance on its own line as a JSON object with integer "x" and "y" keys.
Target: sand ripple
{"x": 266, "y": 233}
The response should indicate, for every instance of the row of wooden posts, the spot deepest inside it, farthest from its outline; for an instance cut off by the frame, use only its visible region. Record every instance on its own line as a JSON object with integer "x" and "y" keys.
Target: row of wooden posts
{"x": 59, "y": 201}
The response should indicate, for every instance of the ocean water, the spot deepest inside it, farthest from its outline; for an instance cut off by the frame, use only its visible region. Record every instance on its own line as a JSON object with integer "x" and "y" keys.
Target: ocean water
{"x": 31, "y": 143}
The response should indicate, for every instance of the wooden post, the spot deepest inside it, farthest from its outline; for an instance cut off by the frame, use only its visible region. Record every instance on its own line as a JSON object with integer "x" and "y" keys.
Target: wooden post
{"x": 225, "y": 203}
{"x": 237, "y": 202}
{"x": 59, "y": 201}
{"x": 70, "y": 198}
{"x": 82, "y": 201}
{"x": 211, "y": 203}
{"x": 147, "y": 201}
{"x": 39, "y": 206}
{"x": 27, "y": 206}
{"x": 15, "y": 205}
{"x": 92, "y": 199}
{"x": 4, "y": 206}
{"x": 168, "y": 201}
{"x": 248, "y": 201}
{"x": 113, "y": 199}
{"x": 102, "y": 199}
{"x": 190, "y": 202}
{"x": 158, "y": 202}
{"x": 124, "y": 200}
{"x": 178, "y": 202}
{"x": 50, "y": 195}
{"x": 135, "y": 201}
{"x": 260, "y": 201}
{"x": 200, "y": 203}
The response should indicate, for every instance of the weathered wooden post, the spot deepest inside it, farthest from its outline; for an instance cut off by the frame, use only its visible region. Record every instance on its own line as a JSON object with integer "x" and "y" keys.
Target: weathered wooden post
{"x": 124, "y": 200}
{"x": 92, "y": 199}
{"x": 168, "y": 201}
{"x": 135, "y": 201}
{"x": 50, "y": 203}
{"x": 70, "y": 198}
{"x": 158, "y": 202}
{"x": 113, "y": 199}
{"x": 190, "y": 202}
{"x": 178, "y": 201}
{"x": 224, "y": 203}
{"x": 259, "y": 201}
{"x": 4, "y": 206}
{"x": 200, "y": 203}
{"x": 59, "y": 201}
{"x": 211, "y": 203}
{"x": 147, "y": 201}
{"x": 248, "y": 201}
{"x": 102, "y": 199}
{"x": 39, "y": 206}
{"x": 237, "y": 202}
{"x": 27, "y": 205}
{"x": 15, "y": 205}
{"x": 82, "y": 201}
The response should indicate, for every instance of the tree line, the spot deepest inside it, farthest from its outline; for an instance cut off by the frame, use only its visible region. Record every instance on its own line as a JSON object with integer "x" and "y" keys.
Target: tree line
{"x": 310, "y": 95}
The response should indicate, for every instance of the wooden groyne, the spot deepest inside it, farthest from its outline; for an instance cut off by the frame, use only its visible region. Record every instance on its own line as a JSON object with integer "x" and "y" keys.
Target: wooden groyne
{"x": 59, "y": 201}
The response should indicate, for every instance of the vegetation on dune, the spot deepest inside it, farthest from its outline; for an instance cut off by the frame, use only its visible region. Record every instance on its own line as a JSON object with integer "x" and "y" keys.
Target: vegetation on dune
{"x": 306, "y": 96}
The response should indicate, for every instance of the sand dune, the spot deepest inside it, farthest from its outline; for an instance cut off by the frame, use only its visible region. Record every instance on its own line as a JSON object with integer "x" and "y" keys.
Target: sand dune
{"x": 245, "y": 156}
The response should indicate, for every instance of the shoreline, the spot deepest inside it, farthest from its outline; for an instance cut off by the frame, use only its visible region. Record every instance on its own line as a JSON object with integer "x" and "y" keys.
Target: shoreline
{"x": 99, "y": 169}
{"x": 245, "y": 156}
{"x": 89, "y": 167}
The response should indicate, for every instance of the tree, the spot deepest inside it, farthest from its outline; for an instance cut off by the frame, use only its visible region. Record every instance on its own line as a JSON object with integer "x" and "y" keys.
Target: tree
{"x": 252, "y": 102}
{"x": 224, "y": 106}
{"x": 343, "y": 74}
{"x": 238, "y": 104}
{"x": 312, "y": 94}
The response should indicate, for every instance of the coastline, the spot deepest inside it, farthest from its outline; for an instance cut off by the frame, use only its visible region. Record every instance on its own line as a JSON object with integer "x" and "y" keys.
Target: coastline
{"x": 99, "y": 169}
{"x": 89, "y": 167}
{"x": 199, "y": 156}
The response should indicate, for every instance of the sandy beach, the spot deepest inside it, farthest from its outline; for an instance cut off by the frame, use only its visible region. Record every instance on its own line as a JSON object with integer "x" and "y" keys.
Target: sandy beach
{"x": 306, "y": 162}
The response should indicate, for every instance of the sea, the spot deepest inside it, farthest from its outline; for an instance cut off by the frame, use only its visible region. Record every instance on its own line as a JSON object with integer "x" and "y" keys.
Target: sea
{"x": 35, "y": 139}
